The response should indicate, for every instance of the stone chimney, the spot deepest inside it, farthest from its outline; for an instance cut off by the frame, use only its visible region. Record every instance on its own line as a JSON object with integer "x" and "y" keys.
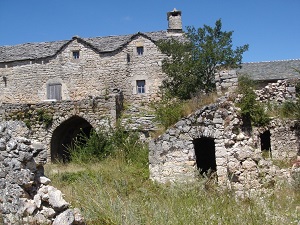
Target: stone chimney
{"x": 174, "y": 21}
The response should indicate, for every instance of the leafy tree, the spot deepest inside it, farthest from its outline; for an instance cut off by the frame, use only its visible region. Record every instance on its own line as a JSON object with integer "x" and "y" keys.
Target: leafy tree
{"x": 192, "y": 63}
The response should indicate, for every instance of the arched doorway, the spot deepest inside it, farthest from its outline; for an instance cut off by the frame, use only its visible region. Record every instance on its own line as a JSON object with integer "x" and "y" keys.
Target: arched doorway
{"x": 64, "y": 136}
{"x": 205, "y": 154}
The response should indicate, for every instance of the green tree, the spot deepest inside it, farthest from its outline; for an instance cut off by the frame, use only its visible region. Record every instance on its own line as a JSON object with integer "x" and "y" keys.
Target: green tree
{"x": 192, "y": 63}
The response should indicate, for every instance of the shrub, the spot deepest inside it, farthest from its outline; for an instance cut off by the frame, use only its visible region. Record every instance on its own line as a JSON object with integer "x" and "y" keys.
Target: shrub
{"x": 44, "y": 117}
{"x": 104, "y": 143}
{"x": 90, "y": 148}
{"x": 251, "y": 110}
{"x": 168, "y": 112}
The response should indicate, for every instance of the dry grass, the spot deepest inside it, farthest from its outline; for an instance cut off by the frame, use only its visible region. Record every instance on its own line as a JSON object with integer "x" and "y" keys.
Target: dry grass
{"x": 198, "y": 101}
{"x": 115, "y": 192}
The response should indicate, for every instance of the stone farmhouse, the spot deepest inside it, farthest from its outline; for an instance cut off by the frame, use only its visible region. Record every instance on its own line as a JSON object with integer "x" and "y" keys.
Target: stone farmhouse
{"x": 80, "y": 82}
{"x": 62, "y": 87}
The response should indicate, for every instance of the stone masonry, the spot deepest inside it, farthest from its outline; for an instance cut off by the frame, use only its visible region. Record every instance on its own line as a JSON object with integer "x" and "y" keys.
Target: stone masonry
{"x": 93, "y": 112}
{"x": 237, "y": 156}
{"x": 25, "y": 194}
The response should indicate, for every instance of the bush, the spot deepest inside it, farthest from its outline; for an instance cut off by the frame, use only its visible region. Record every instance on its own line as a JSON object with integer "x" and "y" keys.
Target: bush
{"x": 168, "y": 112}
{"x": 94, "y": 147}
{"x": 113, "y": 142}
{"x": 251, "y": 110}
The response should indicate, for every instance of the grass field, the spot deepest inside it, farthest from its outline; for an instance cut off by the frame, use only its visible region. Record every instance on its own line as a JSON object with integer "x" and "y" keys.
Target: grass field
{"x": 118, "y": 191}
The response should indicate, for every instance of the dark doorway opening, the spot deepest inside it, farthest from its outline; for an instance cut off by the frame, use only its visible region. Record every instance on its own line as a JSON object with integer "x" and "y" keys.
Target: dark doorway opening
{"x": 205, "y": 155}
{"x": 64, "y": 136}
{"x": 265, "y": 141}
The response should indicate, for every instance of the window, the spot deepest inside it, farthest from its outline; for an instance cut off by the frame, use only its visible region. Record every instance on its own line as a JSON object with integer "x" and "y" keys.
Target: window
{"x": 128, "y": 58}
{"x": 54, "y": 91}
{"x": 75, "y": 54}
{"x": 140, "y": 50}
{"x": 140, "y": 86}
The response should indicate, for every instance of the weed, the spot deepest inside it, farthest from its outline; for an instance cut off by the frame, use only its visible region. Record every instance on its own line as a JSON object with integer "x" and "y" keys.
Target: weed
{"x": 252, "y": 111}
{"x": 45, "y": 117}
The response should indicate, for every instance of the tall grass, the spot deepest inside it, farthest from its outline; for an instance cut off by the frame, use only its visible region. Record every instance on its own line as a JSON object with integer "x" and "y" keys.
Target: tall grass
{"x": 117, "y": 190}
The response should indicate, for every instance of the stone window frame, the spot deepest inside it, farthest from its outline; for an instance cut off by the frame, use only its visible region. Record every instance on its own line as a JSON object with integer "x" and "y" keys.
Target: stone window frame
{"x": 141, "y": 87}
{"x": 54, "y": 91}
{"x": 140, "y": 50}
{"x": 75, "y": 54}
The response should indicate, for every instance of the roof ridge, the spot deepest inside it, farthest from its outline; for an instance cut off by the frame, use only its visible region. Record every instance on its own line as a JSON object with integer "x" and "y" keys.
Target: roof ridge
{"x": 280, "y": 60}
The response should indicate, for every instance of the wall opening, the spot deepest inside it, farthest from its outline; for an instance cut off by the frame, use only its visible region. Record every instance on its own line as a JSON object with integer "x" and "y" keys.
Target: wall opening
{"x": 64, "y": 136}
{"x": 265, "y": 141}
{"x": 205, "y": 154}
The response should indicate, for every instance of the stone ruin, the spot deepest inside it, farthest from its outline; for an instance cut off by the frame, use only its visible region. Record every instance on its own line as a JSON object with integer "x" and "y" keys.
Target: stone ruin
{"x": 213, "y": 139}
{"x": 25, "y": 194}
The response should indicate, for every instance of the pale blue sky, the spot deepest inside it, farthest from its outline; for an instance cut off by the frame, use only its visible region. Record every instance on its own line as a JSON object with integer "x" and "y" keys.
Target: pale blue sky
{"x": 270, "y": 27}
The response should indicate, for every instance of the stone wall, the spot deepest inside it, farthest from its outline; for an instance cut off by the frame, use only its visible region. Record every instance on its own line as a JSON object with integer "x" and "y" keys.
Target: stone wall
{"x": 93, "y": 74}
{"x": 226, "y": 81}
{"x": 238, "y": 157}
{"x": 276, "y": 92}
{"x": 25, "y": 194}
{"x": 96, "y": 111}
{"x": 282, "y": 90}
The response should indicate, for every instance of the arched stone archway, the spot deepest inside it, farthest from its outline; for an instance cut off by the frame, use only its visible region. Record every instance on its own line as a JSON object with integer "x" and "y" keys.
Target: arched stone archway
{"x": 63, "y": 137}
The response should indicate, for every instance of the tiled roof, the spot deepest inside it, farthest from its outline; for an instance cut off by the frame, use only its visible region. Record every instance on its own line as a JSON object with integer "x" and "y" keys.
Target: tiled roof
{"x": 31, "y": 51}
{"x": 272, "y": 70}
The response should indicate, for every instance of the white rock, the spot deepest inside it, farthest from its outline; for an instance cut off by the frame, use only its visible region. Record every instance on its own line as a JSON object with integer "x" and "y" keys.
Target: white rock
{"x": 65, "y": 218}
{"x": 56, "y": 199}
{"x": 44, "y": 180}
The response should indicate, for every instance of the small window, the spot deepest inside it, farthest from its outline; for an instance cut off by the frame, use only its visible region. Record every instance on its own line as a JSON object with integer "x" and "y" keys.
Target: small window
{"x": 75, "y": 54}
{"x": 140, "y": 50}
{"x": 128, "y": 58}
{"x": 140, "y": 85}
{"x": 54, "y": 91}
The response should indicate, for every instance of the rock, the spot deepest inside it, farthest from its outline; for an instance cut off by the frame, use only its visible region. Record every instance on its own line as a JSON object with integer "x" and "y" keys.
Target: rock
{"x": 65, "y": 218}
{"x": 37, "y": 200}
{"x": 44, "y": 180}
{"x": 79, "y": 220}
{"x": 41, "y": 219}
{"x": 56, "y": 199}
{"x": 48, "y": 212}
{"x": 29, "y": 207}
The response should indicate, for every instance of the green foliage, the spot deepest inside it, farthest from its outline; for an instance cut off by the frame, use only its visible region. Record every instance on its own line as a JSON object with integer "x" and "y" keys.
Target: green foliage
{"x": 90, "y": 148}
{"x": 45, "y": 117}
{"x": 168, "y": 112}
{"x": 251, "y": 110}
{"x": 191, "y": 65}
{"x": 104, "y": 143}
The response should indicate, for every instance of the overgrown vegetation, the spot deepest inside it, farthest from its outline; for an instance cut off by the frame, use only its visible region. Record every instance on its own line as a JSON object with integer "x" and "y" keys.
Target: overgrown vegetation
{"x": 106, "y": 143}
{"x": 192, "y": 64}
{"x": 116, "y": 190}
{"x": 45, "y": 117}
{"x": 253, "y": 112}
{"x": 169, "y": 111}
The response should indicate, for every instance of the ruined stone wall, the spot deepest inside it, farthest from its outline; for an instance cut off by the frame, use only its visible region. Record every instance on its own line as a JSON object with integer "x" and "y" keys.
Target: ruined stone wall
{"x": 25, "y": 194}
{"x": 284, "y": 138}
{"x": 226, "y": 81}
{"x": 238, "y": 156}
{"x": 93, "y": 74}
{"x": 276, "y": 92}
{"x": 281, "y": 91}
{"x": 98, "y": 112}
